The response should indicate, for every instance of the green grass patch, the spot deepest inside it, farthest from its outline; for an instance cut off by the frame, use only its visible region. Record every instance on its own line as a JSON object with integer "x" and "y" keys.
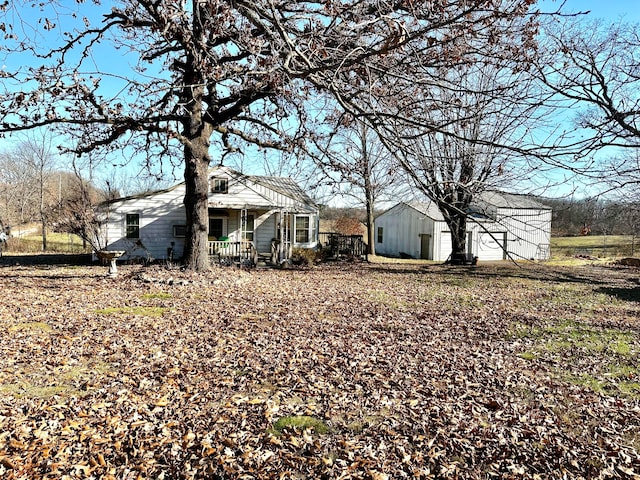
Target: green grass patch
{"x": 382, "y": 297}
{"x": 31, "y": 327}
{"x": 300, "y": 423}
{"x": 141, "y": 311}
{"x": 56, "y": 243}
{"x": 594, "y": 245}
{"x": 528, "y": 355}
{"x": 159, "y": 296}
{"x": 35, "y": 382}
{"x": 602, "y": 359}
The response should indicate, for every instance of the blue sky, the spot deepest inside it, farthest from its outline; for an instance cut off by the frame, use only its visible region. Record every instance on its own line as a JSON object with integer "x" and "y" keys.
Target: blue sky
{"x": 609, "y": 10}
{"x": 628, "y": 10}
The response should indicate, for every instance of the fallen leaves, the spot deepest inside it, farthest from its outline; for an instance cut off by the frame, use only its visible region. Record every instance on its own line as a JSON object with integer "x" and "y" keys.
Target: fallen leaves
{"x": 367, "y": 373}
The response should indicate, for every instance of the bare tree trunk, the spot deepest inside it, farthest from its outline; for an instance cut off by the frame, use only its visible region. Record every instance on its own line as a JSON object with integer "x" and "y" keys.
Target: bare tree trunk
{"x": 43, "y": 218}
{"x": 197, "y": 133}
{"x": 44, "y": 233}
{"x": 457, "y": 222}
{"x": 196, "y": 252}
{"x": 368, "y": 192}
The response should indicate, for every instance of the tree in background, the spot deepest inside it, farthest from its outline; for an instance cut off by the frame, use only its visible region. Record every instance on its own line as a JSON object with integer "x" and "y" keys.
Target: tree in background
{"x": 32, "y": 189}
{"x": 231, "y": 73}
{"x": 594, "y": 66}
{"x": 458, "y": 110}
{"x": 471, "y": 133}
{"x": 17, "y": 191}
{"x": 355, "y": 163}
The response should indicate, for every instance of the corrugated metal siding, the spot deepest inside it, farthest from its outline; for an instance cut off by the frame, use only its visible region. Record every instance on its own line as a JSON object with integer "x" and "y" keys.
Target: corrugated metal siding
{"x": 402, "y": 227}
{"x": 490, "y": 245}
{"x": 528, "y": 232}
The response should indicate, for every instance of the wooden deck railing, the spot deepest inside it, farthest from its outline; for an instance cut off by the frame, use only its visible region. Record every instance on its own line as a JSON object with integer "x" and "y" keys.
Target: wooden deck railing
{"x": 343, "y": 245}
{"x": 242, "y": 253}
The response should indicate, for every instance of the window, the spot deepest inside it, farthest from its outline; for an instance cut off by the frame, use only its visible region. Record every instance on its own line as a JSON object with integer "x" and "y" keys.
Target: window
{"x": 220, "y": 185}
{"x": 179, "y": 231}
{"x": 380, "y": 234}
{"x": 302, "y": 229}
{"x": 249, "y": 228}
{"x": 133, "y": 225}
{"x": 217, "y": 227}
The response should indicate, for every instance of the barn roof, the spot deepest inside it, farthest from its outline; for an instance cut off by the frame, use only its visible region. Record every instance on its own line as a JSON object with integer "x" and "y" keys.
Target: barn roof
{"x": 484, "y": 205}
{"x": 509, "y": 200}
{"x": 428, "y": 209}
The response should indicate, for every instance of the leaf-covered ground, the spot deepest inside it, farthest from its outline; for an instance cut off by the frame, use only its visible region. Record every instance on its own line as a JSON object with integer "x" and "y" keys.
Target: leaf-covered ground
{"x": 345, "y": 371}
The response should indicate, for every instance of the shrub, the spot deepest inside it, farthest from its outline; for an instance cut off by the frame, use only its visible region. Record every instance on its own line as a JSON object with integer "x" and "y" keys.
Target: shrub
{"x": 305, "y": 256}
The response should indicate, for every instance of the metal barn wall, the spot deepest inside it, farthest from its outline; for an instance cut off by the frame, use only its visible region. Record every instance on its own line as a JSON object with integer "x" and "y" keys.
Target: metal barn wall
{"x": 402, "y": 226}
{"x": 529, "y": 232}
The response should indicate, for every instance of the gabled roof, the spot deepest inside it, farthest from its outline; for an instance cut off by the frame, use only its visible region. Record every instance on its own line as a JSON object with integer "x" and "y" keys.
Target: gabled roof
{"x": 508, "y": 200}
{"x": 284, "y": 185}
{"x": 484, "y": 205}
{"x": 428, "y": 209}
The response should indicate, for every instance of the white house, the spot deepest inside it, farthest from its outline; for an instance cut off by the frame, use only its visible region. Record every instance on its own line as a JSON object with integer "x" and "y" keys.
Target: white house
{"x": 267, "y": 215}
{"x": 500, "y": 225}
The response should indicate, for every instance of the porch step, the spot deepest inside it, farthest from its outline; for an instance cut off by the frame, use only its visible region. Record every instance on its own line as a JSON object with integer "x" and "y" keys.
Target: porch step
{"x": 264, "y": 260}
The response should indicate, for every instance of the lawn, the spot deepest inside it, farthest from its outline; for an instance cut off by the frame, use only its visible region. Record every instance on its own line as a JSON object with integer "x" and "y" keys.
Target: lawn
{"x": 348, "y": 370}
{"x": 596, "y": 246}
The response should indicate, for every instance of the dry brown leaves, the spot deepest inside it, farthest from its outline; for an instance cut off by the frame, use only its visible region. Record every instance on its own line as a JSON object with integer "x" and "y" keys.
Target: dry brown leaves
{"x": 417, "y": 372}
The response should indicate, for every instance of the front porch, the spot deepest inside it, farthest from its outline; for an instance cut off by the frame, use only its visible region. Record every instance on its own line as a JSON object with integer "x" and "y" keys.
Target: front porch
{"x": 245, "y": 253}
{"x": 249, "y": 235}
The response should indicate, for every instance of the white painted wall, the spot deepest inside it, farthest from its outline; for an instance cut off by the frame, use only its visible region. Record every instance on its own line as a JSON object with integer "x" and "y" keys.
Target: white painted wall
{"x": 402, "y": 226}
{"x": 527, "y": 231}
{"x": 159, "y": 212}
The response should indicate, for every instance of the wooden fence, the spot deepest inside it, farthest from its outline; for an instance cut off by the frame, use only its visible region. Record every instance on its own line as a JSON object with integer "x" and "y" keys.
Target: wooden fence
{"x": 343, "y": 245}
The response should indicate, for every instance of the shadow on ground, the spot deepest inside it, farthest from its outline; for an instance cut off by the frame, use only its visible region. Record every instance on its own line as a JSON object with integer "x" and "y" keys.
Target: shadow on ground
{"x": 628, "y": 294}
{"x": 8, "y": 259}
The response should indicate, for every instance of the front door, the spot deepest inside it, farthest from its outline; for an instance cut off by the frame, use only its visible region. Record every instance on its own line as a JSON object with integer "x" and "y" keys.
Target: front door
{"x": 425, "y": 241}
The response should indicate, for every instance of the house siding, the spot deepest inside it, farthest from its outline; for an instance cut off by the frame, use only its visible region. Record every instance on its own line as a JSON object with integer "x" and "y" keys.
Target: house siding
{"x": 160, "y": 211}
{"x": 158, "y": 215}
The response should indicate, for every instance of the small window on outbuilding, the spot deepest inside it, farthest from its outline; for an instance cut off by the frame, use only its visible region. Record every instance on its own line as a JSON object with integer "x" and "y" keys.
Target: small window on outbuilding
{"x": 380, "y": 231}
{"x": 133, "y": 225}
{"x": 219, "y": 185}
{"x": 179, "y": 231}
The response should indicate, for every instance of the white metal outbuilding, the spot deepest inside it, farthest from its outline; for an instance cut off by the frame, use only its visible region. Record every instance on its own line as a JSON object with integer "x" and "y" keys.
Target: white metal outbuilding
{"x": 500, "y": 225}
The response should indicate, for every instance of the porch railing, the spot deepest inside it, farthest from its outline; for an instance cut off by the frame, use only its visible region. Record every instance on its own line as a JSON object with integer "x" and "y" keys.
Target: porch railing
{"x": 242, "y": 253}
{"x": 343, "y": 245}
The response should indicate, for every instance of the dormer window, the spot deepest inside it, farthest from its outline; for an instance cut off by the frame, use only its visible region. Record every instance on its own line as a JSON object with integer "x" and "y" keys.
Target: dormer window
{"x": 219, "y": 185}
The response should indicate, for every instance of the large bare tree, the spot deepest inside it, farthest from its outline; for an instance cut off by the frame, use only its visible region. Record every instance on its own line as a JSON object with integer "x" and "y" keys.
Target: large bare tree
{"x": 216, "y": 72}
{"x": 596, "y": 67}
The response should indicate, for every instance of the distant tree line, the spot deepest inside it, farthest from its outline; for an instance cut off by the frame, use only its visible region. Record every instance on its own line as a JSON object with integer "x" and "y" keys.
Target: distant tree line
{"x": 573, "y": 217}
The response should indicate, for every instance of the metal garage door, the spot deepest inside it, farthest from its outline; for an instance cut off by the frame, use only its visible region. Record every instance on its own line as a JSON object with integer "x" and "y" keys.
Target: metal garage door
{"x": 491, "y": 245}
{"x": 445, "y": 245}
